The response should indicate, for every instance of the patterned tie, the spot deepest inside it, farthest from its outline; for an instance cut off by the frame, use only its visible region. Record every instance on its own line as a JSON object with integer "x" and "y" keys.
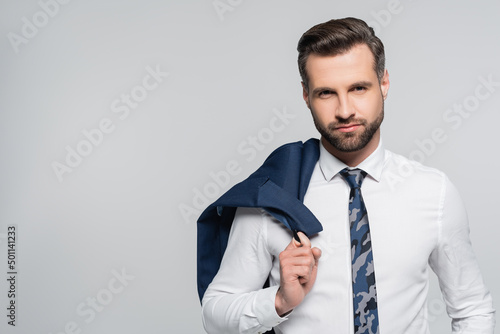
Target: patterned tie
{"x": 363, "y": 275}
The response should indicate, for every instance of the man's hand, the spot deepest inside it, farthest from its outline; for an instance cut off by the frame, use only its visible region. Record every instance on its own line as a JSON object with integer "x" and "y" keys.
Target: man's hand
{"x": 298, "y": 269}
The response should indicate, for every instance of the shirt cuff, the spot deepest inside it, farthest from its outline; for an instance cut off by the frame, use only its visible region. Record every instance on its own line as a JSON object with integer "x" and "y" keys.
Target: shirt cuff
{"x": 265, "y": 308}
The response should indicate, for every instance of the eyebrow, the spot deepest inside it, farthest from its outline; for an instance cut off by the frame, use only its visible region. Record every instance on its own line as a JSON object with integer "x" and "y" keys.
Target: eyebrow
{"x": 366, "y": 84}
{"x": 318, "y": 90}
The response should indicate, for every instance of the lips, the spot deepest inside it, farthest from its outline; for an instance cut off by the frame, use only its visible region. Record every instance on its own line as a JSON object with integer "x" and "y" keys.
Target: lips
{"x": 348, "y": 128}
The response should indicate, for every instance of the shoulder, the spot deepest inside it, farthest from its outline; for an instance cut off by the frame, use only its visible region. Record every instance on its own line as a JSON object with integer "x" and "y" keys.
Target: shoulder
{"x": 401, "y": 171}
{"x": 310, "y": 145}
{"x": 289, "y": 159}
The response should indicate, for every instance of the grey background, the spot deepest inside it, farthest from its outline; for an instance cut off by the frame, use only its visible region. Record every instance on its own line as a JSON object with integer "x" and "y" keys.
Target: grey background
{"x": 120, "y": 208}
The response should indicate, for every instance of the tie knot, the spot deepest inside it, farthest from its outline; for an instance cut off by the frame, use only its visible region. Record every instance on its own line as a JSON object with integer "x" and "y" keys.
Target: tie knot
{"x": 353, "y": 177}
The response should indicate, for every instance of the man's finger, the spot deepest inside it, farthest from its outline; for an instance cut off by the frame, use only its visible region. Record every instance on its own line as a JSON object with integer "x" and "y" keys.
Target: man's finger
{"x": 316, "y": 253}
{"x": 304, "y": 240}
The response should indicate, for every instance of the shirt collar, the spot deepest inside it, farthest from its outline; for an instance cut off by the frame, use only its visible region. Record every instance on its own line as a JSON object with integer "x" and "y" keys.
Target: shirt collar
{"x": 331, "y": 166}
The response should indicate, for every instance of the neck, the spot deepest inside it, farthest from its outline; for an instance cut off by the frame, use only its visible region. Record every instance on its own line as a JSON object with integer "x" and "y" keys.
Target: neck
{"x": 352, "y": 159}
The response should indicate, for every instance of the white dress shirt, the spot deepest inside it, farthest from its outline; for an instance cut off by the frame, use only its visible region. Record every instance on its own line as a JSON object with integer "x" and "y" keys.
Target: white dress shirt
{"x": 416, "y": 219}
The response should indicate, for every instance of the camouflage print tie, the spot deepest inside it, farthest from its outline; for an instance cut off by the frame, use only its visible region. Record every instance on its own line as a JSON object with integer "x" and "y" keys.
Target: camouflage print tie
{"x": 363, "y": 275}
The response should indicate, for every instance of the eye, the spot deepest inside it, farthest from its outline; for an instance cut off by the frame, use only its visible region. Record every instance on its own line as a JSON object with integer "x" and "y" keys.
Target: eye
{"x": 325, "y": 93}
{"x": 359, "y": 89}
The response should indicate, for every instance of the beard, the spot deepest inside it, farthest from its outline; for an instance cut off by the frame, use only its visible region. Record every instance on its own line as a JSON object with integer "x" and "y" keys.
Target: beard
{"x": 349, "y": 141}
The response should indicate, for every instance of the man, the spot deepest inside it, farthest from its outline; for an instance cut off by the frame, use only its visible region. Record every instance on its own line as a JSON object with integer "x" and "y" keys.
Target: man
{"x": 335, "y": 281}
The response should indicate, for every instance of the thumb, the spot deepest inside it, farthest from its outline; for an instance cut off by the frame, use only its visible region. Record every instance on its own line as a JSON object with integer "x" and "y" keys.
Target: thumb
{"x": 304, "y": 240}
{"x": 298, "y": 240}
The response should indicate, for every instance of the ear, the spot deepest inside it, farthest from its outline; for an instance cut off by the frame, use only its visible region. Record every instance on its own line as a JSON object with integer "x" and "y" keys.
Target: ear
{"x": 305, "y": 94}
{"x": 384, "y": 84}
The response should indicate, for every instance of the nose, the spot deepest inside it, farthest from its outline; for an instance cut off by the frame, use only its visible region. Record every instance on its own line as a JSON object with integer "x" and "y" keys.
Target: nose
{"x": 345, "y": 109}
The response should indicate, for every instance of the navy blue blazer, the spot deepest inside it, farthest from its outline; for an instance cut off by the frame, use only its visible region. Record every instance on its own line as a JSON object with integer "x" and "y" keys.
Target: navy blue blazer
{"x": 278, "y": 186}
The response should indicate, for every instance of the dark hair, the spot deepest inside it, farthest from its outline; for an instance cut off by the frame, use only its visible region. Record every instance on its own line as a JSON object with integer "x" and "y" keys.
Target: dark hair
{"x": 336, "y": 37}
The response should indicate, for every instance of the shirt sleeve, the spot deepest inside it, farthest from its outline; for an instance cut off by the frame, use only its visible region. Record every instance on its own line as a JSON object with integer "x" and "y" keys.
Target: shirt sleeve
{"x": 235, "y": 301}
{"x": 467, "y": 299}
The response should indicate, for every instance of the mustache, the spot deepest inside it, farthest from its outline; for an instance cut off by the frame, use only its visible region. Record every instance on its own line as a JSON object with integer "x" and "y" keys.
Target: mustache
{"x": 347, "y": 121}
